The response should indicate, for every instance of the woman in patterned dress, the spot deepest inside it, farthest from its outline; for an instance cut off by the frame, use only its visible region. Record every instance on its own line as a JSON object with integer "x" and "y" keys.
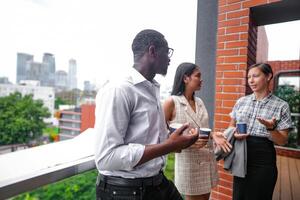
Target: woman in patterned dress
{"x": 268, "y": 121}
{"x": 195, "y": 167}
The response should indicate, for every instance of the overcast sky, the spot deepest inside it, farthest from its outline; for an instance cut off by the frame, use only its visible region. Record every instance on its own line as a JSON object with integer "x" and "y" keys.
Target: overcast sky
{"x": 98, "y": 34}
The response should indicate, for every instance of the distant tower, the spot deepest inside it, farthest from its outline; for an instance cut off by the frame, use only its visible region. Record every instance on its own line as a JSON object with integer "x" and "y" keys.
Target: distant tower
{"x": 72, "y": 74}
{"x": 49, "y": 75}
{"x": 4, "y": 80}
{"x": 34, "y": 71}
{"x": 61, "y": 80}
{"x": 88, "y": 86}
{"x": 22, "y": 64}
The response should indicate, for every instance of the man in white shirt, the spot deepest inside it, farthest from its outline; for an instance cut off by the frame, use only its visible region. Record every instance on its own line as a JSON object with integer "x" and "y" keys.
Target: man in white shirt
{"x": 131, "y": 134}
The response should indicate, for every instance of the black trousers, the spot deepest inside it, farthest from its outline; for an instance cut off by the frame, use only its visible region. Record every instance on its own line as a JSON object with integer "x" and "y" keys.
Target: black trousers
{"x": 166, "y": 190}
{"x": 261, "y": 177}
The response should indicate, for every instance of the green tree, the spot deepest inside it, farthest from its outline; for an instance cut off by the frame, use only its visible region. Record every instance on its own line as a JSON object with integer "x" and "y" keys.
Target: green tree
{"x": 21, "y": 118}
{"x": 291, "y": 96}
{"x": 59, "y": 101}
{"x": 79, "y": 187}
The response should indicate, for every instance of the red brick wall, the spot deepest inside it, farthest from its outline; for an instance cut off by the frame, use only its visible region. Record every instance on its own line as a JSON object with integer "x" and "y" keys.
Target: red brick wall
{"x": 87, "y": 116}
{"x": 236, "y": 50}
{"x": 224, "y": 189}
{"x": 280, "y": 66}
{"x": 262, "y": 49}
{"x": 252, "y": 49}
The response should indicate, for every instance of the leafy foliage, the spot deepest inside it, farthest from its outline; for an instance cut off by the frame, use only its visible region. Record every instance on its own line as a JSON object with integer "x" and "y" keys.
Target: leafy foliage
{"x": 59, "y": 101}
{"x": 21, "y": 118}
{"x": 78, "y": 187}
{"x": 52, "y": 133}
{"x": 291, "y": 96}
{"x": 169, "y": 170}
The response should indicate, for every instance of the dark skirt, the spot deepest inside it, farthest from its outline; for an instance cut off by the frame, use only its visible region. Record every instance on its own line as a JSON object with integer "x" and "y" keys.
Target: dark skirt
{"x": 261, "y": 177}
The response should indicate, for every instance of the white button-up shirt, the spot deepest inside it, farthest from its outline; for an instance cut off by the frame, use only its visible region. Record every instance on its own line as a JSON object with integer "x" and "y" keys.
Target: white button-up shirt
{"x": 128, "y": 117}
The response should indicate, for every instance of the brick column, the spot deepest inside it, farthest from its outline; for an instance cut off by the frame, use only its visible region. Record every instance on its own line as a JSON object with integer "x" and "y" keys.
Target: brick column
{"x": 87, "y": 116}
{"x": 236, "y": 50}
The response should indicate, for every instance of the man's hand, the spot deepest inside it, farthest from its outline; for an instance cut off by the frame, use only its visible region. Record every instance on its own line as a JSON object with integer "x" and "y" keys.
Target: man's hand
{"x": 181, "y": 141}
{"x": 221, "y": 141}
{"x": 174, "y": 143}
{"x": 200, "y": 143}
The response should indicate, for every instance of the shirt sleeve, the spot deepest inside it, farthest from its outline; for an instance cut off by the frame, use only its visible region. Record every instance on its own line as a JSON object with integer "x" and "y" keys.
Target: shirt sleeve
{"x": 285, "y": 121}
{"x": 111, "y": 123}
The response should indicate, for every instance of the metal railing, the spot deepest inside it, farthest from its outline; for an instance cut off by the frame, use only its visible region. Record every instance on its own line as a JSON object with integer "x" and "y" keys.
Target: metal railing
{"x": 31, "y": 168}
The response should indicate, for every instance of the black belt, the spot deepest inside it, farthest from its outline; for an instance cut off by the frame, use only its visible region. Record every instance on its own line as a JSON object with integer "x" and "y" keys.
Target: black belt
{"x": 136, "y": 182}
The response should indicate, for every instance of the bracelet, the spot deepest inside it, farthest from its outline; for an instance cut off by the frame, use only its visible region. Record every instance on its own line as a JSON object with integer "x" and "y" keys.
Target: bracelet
{"x": 273, "y": 128}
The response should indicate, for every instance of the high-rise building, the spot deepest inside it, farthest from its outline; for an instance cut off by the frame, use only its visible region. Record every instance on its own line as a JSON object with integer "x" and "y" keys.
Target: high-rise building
{"x": 34, "y": 71}
{"x": 28, "y": 69}
{"x": 49, "y": 63}
{"x": 88, "y": 86}
{"x": 4, "y": 80}
{"x": 61, "y": 80}
{"x": 72, "y": 74}
{"x": 22, "y": 64}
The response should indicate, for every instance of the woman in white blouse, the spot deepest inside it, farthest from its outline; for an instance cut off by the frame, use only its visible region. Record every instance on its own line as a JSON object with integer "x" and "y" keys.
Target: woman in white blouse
{"x": 195, "y": 167}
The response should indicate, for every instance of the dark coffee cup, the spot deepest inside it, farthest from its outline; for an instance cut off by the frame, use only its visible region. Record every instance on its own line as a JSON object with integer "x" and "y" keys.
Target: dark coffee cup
{"x": 241, "y": 128}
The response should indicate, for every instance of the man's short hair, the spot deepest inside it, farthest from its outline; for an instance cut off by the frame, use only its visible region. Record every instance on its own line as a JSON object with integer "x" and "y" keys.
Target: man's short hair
{"x": 144, "y": 39}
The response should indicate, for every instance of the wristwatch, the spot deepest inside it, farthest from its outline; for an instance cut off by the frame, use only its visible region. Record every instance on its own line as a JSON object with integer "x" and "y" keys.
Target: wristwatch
{"x": 273, "y": 128}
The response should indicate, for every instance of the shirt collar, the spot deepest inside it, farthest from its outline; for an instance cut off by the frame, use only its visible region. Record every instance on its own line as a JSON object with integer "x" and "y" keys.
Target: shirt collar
{"x": 183, "y": 100}
{"x": 136, "y": 77}
{"x": 264, "y": 100}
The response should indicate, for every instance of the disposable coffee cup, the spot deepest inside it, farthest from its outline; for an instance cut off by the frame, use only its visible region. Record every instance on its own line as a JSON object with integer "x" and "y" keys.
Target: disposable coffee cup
{"x": 204, "y": 132}
{"x": 241, "y": 128}
{"x": 174, "y": 126}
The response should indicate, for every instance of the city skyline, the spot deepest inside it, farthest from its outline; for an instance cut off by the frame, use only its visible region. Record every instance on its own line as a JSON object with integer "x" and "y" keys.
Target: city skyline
{"x": 45, "y": 72}
{"x": 98, "y": 34}
{"x": 91, "y": 32}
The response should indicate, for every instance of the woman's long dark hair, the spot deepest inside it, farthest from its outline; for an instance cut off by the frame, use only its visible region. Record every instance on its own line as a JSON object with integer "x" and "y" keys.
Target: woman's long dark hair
{"x": 183, "y": 69}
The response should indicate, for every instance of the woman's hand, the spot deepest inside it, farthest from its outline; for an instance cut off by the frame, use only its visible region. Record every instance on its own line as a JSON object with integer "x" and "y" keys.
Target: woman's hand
{"x": 269, "y": 124}
{"x": 221, "y": 141}
{"x": 240, "y": 136}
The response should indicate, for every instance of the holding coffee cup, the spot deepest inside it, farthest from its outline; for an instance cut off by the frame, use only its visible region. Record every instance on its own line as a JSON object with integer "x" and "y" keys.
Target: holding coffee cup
{"x": 174, "y": 126}
{"x": 241, "y": 124}
{"x": 242, "y": 127}
{"x": 204, "y": 132}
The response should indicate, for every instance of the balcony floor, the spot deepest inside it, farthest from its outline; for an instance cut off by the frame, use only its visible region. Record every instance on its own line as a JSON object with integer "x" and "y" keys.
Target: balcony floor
{"x": 288, "y": 181}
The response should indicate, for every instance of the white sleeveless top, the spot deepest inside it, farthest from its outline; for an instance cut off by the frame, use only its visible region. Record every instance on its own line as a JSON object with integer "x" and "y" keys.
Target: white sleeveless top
{"x": 195, "y": 169}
